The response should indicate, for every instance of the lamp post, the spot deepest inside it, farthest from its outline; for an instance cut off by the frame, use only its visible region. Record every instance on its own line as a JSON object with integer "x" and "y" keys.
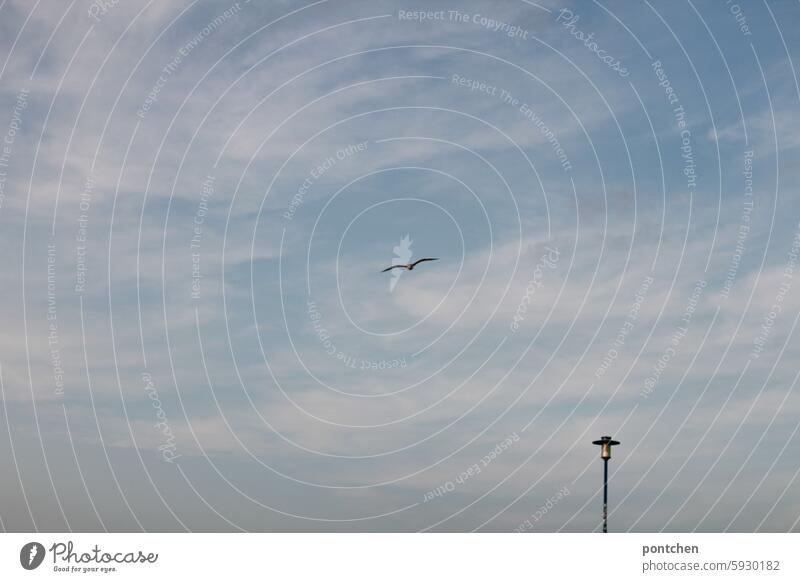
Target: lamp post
{"x": 605, "y": 453}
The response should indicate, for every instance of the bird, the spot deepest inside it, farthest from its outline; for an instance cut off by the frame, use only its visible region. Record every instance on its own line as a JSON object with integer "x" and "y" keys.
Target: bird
{"x": 409, "y": 267}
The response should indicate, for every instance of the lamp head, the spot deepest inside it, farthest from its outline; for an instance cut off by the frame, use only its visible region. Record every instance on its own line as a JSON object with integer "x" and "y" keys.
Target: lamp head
{"x": 605, "y": 443}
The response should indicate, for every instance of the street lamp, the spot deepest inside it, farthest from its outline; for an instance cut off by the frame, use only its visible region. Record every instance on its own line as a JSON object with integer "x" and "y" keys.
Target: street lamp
{"x": 605, "y": 453}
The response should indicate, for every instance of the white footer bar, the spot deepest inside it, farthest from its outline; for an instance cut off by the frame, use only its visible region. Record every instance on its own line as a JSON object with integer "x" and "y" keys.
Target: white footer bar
{"x": 400, "y": 557}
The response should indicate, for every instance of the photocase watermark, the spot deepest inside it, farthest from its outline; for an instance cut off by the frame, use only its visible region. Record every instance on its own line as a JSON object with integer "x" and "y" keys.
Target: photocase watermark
{"x": 168, "y": 448}
{"x": 548, "y": 260}
{"x": 320, "y": 170}
{"x": 744, "y": 225}
{"x": 675, "y": 341}
{"x": 31, "y": 555}
{"x": 473, "y": 470}
{"x": 184, "y": 51}
{"x": 52, "y": 323}
{"x": 630, "y": 319}
{"x": 530, "y": 114}
{"x": 99, "y": 8}
{"x": 527, "y": 111}
{"x": 679, "y": 113}
{"x": 545, "y": 508}
{"x": 82, "y": 235}
{"x": 402, "y": 256}
{"x": 354, "y": 363}
{"x": 206, "y": 192}
{"x": 474, "y": 85}
{"x": 7, "y": 147}
{"x": 787, "y": 276}
{"x": 568, "y": 19}
{"x": 420, "y": 15}
{"x": 510, "y": 30}
{"x": 70, "y": 560}
{"x": 740, "y": 18}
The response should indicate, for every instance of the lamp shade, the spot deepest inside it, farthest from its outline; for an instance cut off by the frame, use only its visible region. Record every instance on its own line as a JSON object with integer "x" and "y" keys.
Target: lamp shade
{"x": 605, "y": 443}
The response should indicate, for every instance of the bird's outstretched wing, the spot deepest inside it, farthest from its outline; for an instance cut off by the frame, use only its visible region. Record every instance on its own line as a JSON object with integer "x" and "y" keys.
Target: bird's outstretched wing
{"x": 415, "y": 263}
{"x": 395, "y": 267}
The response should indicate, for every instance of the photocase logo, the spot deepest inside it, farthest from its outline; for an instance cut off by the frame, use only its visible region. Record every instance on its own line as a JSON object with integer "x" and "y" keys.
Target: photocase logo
{"x": 31, "y": 555}
{"x": 402, "y": 256}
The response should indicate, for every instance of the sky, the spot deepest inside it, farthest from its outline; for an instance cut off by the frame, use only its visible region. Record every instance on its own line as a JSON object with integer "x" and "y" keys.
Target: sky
{"x": 197, "y": 200}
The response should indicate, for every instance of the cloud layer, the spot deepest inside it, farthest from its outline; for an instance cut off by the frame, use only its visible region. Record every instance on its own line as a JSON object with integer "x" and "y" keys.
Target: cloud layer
{"x": 197, "y": 200}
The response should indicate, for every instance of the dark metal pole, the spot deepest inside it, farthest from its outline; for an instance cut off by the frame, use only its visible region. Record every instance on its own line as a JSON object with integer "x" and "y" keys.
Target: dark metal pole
{"x": 605, "y": 443}
{"x": 605, "y": 495}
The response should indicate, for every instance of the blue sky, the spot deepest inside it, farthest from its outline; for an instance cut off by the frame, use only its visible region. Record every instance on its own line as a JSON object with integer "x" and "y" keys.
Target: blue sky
{"x": 615, "y": 219}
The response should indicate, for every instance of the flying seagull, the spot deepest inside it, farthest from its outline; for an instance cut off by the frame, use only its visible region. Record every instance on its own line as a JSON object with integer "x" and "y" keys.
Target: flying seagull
{"x": 409, "y": 267}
